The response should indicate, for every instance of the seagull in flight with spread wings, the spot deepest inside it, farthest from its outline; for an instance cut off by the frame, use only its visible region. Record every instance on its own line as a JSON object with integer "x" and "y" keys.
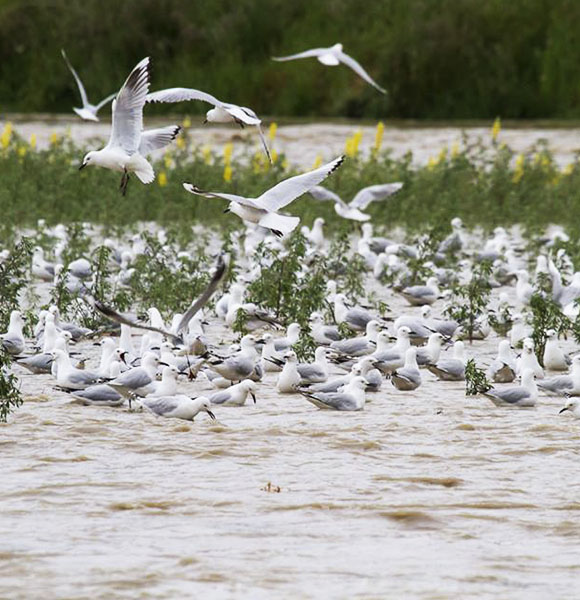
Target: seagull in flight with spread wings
{"x": 263, "y": 210}
{"x": 129, "y": 144}
{"x": 89, "y": 111}
{"x": 331, "y": 57}
{"x": 362, "y": 199}
{"x": 223, "y": 112}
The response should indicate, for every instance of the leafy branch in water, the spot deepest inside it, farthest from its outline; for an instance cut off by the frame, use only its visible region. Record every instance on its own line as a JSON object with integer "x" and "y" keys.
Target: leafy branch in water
{"x": 469, "y": 301}
{"x": 475, "y": 380}
{"x": 10, "y": 397}
{"x": 13, "y": 279}
{"x": 546, "y": 314}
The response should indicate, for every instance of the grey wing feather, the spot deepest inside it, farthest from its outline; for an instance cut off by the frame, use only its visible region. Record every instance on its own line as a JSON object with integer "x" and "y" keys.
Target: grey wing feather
{"x": 160, "y": 406}
{"x": 155, "y": 139}
{"x": 182, "y": 95}
{"x": 80, "y": 85}
{"x": 193, "y": 189}
{"x": 128, "y": 109}
{"x": 374, "y": 192}
{"x": 357, "y": 68}
{"x": 321, "y": 193}
{"x": 288, "y": 190}
{"x": 305, "y": 54}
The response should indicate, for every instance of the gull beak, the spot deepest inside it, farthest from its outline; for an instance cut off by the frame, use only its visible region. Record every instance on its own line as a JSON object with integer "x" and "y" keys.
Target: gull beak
{"x": 564, "y": 409}
{"x": 163, "y": 363}
{"x": 204, "y": 121}
{"x": 208, "y": 411}
{"x": 227, "y": 210}
{"x": 83, "y": 165}
{"x": 253, "y": 396}
{"x": 123, "y": 354}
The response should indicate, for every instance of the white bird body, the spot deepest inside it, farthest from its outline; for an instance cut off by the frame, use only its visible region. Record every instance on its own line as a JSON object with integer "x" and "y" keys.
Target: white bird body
{"x": 289, "y": 379}
{"x": 263, "y": 210}
{"x": 554, "y": 358}
{"x": 128, "y": 143}
{"x": 332, "y": 57}
{"x": 178, "y": 407}
{"x": 13, "y": 340}
{"x": 528, "y": 360}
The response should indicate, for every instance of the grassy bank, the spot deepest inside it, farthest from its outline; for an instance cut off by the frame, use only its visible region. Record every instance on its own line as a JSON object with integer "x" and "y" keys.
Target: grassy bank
{"x": 484, "y": 183}
{"x": 437, "y": 58}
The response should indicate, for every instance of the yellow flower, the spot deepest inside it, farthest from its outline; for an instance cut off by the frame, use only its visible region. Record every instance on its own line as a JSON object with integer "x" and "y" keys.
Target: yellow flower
{"x": 227, "y": 174}
{"x": 495, "y": 129}
{"x": 180, "y": 142}
{"x": 6, "y": 135}
{"x": 519, "y": 168}
{"x": 285, "y": 164}
{"x": 432, "y": 163}
{"x": 206, "y": 154}
{"x": 272, "y": 131}
{"x": 53, "y": 138}
{"x": 186, "y": 123}
{"x": 348, "y": 148}
{"x": 168, "y": 161}
{"x": 317, "y": 162}
{"x": 568, "y": 169}
{"x": 162, "y": 179}
{"x": 274, "y": 156}
{"x": 442, "y": 155}
{"x": 21, "y": 151}
{"x": 33, "y": 141}
{"x": 228, "y": 149}
{"x": 379, "y": 137}
{"x": 352, "y": 144}
{"x": 455, "y": 150}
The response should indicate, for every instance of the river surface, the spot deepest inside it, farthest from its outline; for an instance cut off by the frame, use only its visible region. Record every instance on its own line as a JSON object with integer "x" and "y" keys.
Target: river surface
{"x": 427, "y": 494}
{"x": 303, "y": 143}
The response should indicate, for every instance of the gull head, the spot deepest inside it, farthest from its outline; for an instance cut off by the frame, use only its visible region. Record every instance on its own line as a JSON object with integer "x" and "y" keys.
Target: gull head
{"x": 205, "y": 405}
{"x": 88, "y": 159}
{"x": 337, "y": 47}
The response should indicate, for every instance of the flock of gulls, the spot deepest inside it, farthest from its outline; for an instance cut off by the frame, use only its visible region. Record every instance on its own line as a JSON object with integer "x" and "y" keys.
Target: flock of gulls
{"x": 360, "y": 353}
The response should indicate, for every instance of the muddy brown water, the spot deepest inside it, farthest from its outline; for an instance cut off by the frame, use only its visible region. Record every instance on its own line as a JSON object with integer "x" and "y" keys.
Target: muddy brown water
{"x": 427, "y": 494}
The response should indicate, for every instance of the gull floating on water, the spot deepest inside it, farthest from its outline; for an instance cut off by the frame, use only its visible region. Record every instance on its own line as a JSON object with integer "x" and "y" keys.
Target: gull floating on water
{"x": 351, "y": 398}
{"x": 524, "y": 395}
{"x": 263, "y": 210}
{"x": 128, "y": 144}
{"x": 223, "y": 112}
{"x": 363, "y": 198}
{"x": 331, "y": 57}
{"x": 235, "y": 395}
{"x": 89, "y": 111}
{"x": 178, "y": 407}
{"x": 573, "y": 406}
{"x": 407, "y": 377}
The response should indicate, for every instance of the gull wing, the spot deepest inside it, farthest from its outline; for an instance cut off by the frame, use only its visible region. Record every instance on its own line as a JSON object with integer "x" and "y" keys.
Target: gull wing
{"x": 180, "y": 94}
{"x": 80, "y": 85}
{"x": 104, "y": 101}
{"x": 128, "y": 109}
{"x": 321, "y": 193}
{"x": 374, "y": 192}
{"x": 288, "y": 190}
{"x": 243, "y": 114}
{"x": 216, "y": 279}
{"x": 350, "y": 62}
{"x": 155, "y": 139}
{"x": 305, "y": 54}
{"x": 193, "y": 189}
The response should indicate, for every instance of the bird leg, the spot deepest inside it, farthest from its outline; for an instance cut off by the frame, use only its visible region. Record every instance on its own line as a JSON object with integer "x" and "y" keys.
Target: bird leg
{"x": 124, "y": 182}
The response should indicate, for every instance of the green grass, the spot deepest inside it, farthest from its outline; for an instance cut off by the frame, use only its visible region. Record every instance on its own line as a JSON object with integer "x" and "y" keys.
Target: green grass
{"x": 484, "y": 184}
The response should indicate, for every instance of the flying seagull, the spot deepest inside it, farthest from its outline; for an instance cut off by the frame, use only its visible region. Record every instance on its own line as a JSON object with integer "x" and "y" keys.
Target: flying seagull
{"x": 129, "y": 144}
{"x": 331, "y": 57}
{"x": 89, "y": 111}
{"x": 223, "y": 112}
{"x": 263, "y": 210}
{"x": 217, "y": 278}
{"x": 362, "y": 199}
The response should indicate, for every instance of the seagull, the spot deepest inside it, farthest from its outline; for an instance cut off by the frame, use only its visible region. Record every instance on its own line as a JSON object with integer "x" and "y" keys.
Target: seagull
{"x": 129, "y": 144}
{"x": 451, "y": 369}
{"x": 407, "y": 377}
{"x": 178, "y": 407}
{"x": 263, "y": 210}
{"x": 573, "y": 406}
{"x": 13, "y": 340}
{"x": 503, "y": 368}
{"x": 331, "y": 57}
{"x": 362, "y": 199}
{"x": 89, "y": 111}
{"x": 524, "y": 395}
{"x": 235, "y": 395}
{"x": 223, "y": 112}
{"x": 351, "y": 398}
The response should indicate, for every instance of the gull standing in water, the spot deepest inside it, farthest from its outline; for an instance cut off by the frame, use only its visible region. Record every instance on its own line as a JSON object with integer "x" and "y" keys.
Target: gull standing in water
{"x": 331, "y": 57}
{"x": 223, "y": 112}
{"x": 362, "y": 199}
{"x": 89, "y": 111}
{"x": 129, "y": 144}
{"x": 263, "y": 210}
